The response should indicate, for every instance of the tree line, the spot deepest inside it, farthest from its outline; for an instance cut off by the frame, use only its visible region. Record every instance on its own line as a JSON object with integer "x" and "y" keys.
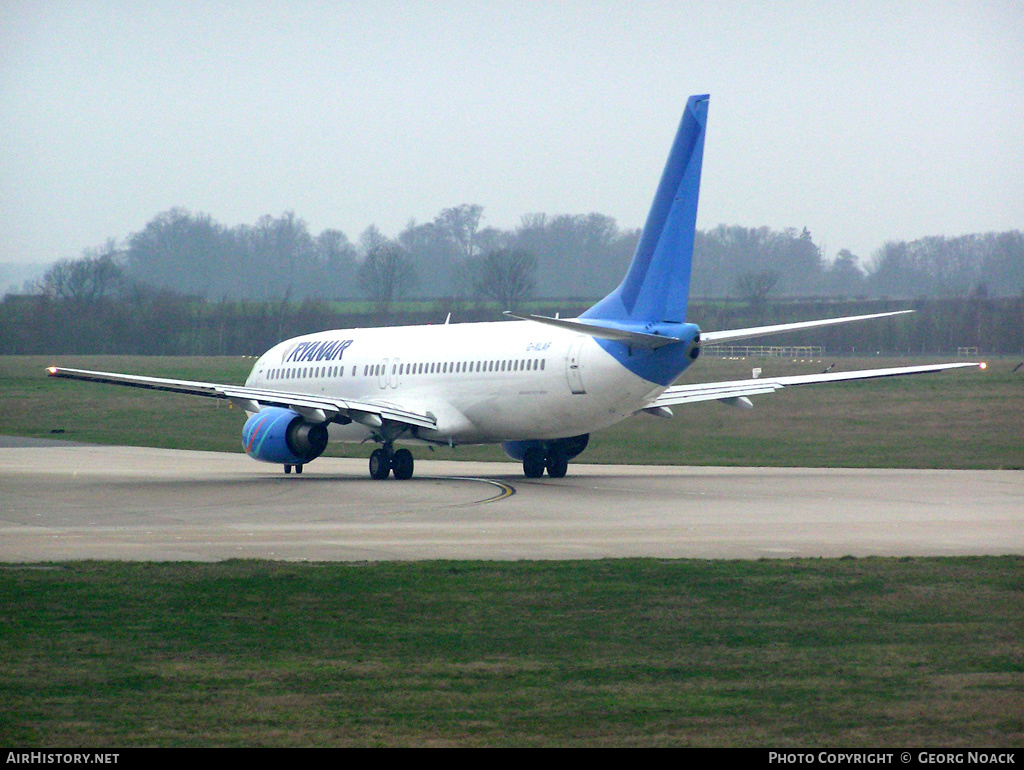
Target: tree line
{"x": 456, "y": 258}
{"x": 160, "y": 322}
{"x": 188, "y": 285}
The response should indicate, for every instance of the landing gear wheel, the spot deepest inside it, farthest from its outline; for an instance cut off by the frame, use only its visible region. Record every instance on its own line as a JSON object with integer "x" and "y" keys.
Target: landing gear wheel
{"x": 298, "y": 469}
{"x": 380, "y": 465}
{"x": 402, "y": 464}
{"x": 558, "y": 465}
{"x": 533, "y": 463}
{"x": 287, "y": 469}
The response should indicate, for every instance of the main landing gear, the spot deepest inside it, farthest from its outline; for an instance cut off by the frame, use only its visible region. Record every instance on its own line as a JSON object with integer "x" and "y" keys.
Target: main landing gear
{"x": 288, "y": 469}
{"x": 386, "y": 460}
{"x": 551, "y": 455}
{"x": 535, "y": 462}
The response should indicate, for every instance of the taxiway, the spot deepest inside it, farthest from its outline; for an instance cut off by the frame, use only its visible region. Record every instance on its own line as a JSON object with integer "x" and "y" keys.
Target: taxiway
{"x": 60, "y": 502}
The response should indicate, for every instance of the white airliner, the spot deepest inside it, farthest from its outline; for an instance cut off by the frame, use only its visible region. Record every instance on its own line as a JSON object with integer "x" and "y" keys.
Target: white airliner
{"x": 537, "y": 385}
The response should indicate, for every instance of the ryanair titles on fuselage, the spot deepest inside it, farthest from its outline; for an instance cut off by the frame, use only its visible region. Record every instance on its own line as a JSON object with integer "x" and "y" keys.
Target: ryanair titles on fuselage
{"x": 316, "y": 350}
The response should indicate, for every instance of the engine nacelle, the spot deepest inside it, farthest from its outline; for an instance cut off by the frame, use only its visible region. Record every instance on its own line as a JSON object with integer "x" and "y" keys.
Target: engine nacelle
{"x": 570, "y": 447}
{"x": 277, "y": 435}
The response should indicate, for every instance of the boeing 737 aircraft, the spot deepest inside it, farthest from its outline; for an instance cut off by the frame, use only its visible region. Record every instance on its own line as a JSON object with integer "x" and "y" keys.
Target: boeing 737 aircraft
{"x": 537, "y": 385}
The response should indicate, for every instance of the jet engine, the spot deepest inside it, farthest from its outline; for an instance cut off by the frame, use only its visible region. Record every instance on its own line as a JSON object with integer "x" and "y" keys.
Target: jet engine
{"x": 277, "y": 435}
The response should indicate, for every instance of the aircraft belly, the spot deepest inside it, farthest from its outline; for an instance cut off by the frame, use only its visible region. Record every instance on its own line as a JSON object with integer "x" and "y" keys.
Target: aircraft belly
{"x": 527, "y": 413}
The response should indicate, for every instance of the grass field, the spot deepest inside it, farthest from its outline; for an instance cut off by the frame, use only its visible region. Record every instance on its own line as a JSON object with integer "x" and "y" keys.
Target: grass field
{"x": 957, "y": 419}
{"x": 848, "y": 652}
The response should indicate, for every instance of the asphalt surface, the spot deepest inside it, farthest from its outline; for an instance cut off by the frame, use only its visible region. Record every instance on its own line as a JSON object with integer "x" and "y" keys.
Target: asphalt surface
{"x": 62, "y": 501}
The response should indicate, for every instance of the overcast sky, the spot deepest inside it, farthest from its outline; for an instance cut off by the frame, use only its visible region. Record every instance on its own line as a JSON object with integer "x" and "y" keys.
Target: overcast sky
{"x": 863, "y": 121}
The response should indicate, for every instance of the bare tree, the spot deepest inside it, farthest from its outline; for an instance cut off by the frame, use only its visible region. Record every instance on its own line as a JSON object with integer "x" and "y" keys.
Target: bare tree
{"x": 386, "y": 272}
{"x": 755, "y": 287}
{"x": 460, "y": 224}
{"x": 507, "y": 276}
{"x": 336, "y": 263}
{"x": 97, "y": 274}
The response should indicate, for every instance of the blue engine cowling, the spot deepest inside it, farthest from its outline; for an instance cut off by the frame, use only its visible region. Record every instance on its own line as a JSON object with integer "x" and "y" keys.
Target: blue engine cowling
{"x": 277, "y": 435}
{"x": 570, "y": 447}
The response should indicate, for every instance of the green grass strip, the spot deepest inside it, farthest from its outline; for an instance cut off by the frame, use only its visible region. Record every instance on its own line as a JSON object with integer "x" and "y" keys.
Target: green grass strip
{"x": 847, "y": 652}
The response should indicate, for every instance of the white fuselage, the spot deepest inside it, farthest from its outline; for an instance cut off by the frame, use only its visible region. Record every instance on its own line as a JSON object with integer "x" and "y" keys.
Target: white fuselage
{"x": 483, "y": 382}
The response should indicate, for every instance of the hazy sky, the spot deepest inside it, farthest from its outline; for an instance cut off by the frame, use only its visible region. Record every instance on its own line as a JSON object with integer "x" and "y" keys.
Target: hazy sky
{"x": 863, "y": 121}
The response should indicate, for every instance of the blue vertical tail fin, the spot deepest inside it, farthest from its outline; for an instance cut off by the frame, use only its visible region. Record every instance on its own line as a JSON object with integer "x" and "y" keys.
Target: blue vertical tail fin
{"x": 657, "y": 284}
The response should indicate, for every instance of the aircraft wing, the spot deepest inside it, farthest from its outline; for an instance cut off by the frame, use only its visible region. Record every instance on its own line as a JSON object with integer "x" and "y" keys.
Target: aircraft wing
{"x": 757, "y": 331}
{"x": 312, "y": 407}
{"x": 736, "y": 390}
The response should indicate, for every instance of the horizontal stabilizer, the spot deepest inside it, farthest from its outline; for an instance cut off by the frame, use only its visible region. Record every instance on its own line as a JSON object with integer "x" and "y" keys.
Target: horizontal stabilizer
{"x": 602, "y": 331}
{"x": 759, "y": 331}
{"x": 721, "y": 391}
